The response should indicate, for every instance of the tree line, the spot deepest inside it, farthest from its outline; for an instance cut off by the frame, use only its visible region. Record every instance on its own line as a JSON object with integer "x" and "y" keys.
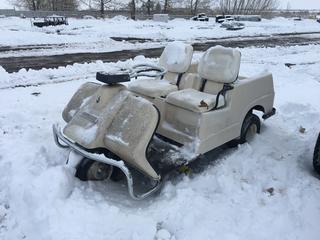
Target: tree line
{"x": 152, "y": 6}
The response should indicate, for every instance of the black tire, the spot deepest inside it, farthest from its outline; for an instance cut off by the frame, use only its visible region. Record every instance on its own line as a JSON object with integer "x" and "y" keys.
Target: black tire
{"x": 88, "y": 169}
{"x": 316, "y": 156}
{"x": 117, "y": 175}
{"x": 82, "y": 169}
{"x": 250, "y": 123}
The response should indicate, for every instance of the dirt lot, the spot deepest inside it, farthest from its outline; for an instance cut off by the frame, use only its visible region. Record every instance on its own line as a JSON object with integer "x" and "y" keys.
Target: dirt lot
{"x": 13, "y": 64}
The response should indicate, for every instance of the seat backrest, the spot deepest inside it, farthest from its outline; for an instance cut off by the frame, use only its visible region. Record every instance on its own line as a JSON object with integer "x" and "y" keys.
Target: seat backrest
{"x": 176, "y": 57}
{"x": 212, "y": 87}
{"x": 190, "y": 80}
{"x": 219, "y": 65}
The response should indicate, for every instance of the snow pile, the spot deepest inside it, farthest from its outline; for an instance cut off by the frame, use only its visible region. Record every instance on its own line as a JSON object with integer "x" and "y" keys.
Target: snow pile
{"x": 5, "y": 77}
{"x": 119, "y": 18}
{"x": 64, "y": 74}
{"x": 262, "y": 190}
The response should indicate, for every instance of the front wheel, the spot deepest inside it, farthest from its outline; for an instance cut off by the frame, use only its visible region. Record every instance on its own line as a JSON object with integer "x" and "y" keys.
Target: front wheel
{"x": 316, "y": 156}
{"x": 88, "y": 169}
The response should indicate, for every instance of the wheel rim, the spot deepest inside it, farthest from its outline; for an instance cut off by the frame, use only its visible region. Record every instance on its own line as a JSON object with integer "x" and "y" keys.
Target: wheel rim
{"x": 251, "y": 133}
{"x": 99, "y": 171}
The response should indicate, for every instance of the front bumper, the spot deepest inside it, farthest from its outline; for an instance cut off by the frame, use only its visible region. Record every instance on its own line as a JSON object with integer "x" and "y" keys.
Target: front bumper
{"x": 63, "y": 142}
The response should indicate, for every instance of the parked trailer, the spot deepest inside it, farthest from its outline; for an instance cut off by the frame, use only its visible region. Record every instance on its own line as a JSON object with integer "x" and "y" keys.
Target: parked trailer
{"x": 53, "y": 20}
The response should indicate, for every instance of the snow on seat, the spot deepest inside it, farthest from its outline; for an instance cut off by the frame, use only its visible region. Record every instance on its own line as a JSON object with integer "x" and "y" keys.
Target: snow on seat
{"x": 153, "y": 88}
{"x": 218, "y": 66}
{"x": 176, "y": 59}
{"x": 194, "y": 100}
{"x": 130, "y": 131}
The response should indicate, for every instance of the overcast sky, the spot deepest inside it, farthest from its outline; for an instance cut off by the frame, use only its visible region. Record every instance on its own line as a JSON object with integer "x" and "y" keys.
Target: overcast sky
{"x": 300, "y": 4}
{"x": 294, "y": 4}
{"x": 5, "y": 4}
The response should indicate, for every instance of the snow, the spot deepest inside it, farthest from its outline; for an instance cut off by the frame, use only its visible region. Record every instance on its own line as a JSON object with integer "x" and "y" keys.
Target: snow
{"x": 87, "y": 134}
{"x": 117, "y": 139}
{"x": 262, "y": 190}
{"x": 94, "y": 35}
{"x": 176, "y": 57}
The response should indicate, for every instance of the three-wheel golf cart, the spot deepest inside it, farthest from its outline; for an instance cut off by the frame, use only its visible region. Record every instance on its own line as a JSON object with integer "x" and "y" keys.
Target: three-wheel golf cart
{"x": 316, "y": 156}
{"x": 150, "y": 119}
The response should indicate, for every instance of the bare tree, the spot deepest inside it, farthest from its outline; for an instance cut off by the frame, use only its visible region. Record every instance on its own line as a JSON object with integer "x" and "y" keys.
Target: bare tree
{"x": 52, "y": 5}
{"x": 166, "y": 5}
{"x": 147, "y": 5}
{"x": 87, "y": 3}
{"x": 28, "y": 4}
{"x": 247, "y": 6}
{"x": 104, "y": 5}
{"x": 158, "y": 7}
{"x": 132, "y": 7}
{"x": 194, "y": 5}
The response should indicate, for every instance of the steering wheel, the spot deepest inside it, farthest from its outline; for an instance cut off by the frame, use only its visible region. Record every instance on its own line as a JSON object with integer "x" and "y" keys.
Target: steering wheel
{"x": 146, "y": 70}
{"x": 124, "y": 75}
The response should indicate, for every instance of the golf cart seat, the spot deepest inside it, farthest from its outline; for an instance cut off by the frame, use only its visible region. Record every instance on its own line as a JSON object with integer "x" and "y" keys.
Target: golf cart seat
{"x": 176, "y": 59}
{"x": 194, "y": 100}
{"x": 218, "y": 68}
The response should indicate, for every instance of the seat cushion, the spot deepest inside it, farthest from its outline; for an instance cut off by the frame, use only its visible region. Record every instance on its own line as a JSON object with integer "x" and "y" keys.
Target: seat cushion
{"x": 152, "y": 88}
{"x": 194, "y": 100}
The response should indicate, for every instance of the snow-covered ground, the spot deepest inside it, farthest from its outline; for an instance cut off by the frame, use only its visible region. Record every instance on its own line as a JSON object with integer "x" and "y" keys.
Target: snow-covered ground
{"x": 83, "y": 35}
{"x": 262, "y": 190}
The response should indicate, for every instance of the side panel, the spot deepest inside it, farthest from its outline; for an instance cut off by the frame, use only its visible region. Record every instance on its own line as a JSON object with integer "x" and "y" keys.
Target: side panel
{"x": 81, "y": 96}
{"x": 214, "y": 128}
{"x": 90, "y": 121}
{"x": 179, "y": 124}
{"x": 130, "y": 132}
{"x": 220, "y": 126}
{"x": 252, "y": 92}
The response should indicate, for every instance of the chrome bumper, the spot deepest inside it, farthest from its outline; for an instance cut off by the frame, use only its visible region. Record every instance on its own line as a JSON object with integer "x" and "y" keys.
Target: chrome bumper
{"x": 63, "y": 142}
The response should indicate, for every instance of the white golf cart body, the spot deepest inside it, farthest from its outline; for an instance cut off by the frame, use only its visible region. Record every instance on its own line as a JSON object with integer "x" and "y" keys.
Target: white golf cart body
{"x": 201, "y": 105}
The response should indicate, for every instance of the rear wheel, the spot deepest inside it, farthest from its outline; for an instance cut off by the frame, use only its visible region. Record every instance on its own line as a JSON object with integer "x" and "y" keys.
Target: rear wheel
{"x": 316, "y": 156}
{"x": 250, "y": 127}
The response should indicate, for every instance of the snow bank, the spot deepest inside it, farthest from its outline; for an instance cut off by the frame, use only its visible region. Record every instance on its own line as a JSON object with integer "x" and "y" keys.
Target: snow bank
{"x": 64, "y": 74}
{"x": 4, "y": 76}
